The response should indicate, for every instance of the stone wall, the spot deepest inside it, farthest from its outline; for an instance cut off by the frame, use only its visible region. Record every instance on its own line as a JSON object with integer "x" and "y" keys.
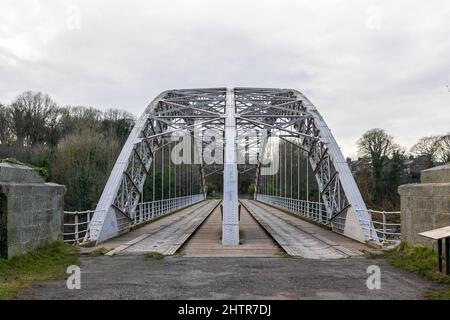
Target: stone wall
{"x": 31, "y": 211}
{"x": 425, "y": 206}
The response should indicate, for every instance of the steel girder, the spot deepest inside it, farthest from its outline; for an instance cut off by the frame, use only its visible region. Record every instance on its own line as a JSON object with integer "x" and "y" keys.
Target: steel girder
{"x": 285, "y": 111}
{"x": 230, "y": 203}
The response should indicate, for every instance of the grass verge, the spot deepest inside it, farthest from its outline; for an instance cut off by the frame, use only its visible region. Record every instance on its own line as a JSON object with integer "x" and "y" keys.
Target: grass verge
{"x": 422, "y": 261}
{"x": 154, "y": 255}
{"x": 99, "y": 252}
{"x": 283, "y": 254}
{"x": 46, "y": 263}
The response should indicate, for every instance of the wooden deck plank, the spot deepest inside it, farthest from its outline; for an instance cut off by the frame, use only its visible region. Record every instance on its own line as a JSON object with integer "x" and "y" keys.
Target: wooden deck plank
{"x": 254, "y": 241}
{"x": 169, "y": 237}
{"x": 296, "y": 236}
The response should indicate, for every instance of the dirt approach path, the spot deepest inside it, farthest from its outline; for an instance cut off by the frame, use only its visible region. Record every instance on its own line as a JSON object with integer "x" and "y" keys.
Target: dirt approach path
{"x": 174, "y": 277}
{"x": 207, "y": 270}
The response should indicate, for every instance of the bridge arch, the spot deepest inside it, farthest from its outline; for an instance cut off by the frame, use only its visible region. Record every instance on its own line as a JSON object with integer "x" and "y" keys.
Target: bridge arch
{"x": 230, "y": 110}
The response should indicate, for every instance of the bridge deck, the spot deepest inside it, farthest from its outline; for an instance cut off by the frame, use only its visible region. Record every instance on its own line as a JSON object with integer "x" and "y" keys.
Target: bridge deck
{"x": 254, "y": 240}
{"x": 300, "y": 238}
{"x": 296, "y": 236}
{"x": 167, "y": 238}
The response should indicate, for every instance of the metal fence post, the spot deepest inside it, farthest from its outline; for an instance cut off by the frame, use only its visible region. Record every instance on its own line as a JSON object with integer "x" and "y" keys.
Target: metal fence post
{"x": 76, "y": 227}
{"x": 88, "y": 220}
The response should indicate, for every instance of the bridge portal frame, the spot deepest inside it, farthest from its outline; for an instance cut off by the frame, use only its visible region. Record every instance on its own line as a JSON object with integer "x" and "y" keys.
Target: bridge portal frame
{"x": 282, "y": 110}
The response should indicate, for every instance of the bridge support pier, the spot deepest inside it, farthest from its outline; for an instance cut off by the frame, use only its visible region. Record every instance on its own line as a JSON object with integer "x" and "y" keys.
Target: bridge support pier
{"x": 230, "y": 218}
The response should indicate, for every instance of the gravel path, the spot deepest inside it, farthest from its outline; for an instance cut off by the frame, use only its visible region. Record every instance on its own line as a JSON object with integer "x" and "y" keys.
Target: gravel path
{"x": 174, "y": 277}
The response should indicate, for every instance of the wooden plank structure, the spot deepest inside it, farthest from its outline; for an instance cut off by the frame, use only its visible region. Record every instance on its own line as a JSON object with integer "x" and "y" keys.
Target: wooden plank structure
{"x": 295, "y": 240}
{"x": 254, "y": 241}
{"x": 168, "y": 238}
{"x": 439, "y": 235}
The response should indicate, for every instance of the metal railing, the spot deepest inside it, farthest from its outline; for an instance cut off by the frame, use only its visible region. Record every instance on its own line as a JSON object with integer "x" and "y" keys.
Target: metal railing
{"x": 387, "y": 226}
{"x": 146, "y": 211}
{"x": 386, "y": 223}
{"x": 307, "y": 209}
{"x": 76, "y": 223}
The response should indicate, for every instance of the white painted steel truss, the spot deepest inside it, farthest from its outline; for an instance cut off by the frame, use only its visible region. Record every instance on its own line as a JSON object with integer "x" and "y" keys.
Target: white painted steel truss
{"x": 277, "y": 111}
{"x": 171, "y": 112}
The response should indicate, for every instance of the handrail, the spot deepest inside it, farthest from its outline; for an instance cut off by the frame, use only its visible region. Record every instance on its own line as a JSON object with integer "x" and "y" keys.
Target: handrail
{"x": 77, "y": 222}
{"x": 387, "y": 232}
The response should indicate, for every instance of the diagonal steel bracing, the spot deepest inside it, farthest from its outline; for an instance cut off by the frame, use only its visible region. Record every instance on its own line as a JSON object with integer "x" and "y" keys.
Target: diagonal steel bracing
{"x": 281, "y": 112}
{"x": 172, "y": 111}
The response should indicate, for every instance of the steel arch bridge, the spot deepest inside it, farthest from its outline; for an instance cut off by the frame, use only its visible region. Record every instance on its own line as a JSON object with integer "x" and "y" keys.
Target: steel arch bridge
{"x": 285, "y": 115}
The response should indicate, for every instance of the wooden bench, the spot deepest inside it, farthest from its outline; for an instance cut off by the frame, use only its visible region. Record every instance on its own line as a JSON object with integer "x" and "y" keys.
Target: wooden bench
{"x": 439, "y": 234}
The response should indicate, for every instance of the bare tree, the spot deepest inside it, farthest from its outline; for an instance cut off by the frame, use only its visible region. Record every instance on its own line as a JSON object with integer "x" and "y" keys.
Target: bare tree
{"x": 18, "y": 124}
{"x": 118, "y": 123}
{"x": 437, "y": 148}
{"x": 428, "y": 146}
{"x": 444, "y": 149}
{"x": 53, "y": 127}
{"x": 31, "y": 113}
{"x": 376, "y": 144}
{"x": 78, "y": 118}
{"x": 5, "y": 132}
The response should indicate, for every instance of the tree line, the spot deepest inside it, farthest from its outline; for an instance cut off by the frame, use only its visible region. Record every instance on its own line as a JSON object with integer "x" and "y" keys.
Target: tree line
{"x": 380, "y": 169}
{"x": 379, "y": 181}
{"x": 77, "y": 145}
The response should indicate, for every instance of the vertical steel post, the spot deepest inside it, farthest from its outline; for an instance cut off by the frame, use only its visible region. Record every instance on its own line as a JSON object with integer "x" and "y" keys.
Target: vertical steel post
{"x": 162, "y": 172}
{"x": 230, "y": 219}
{"x": 285, "y": 170}
{"x": 191, "y": 182}
{"x": 188, "y": 173}
{"x": 153, "y": 184}
{"x": 290, "y": 173}
{"x": 265, "y": 184}
{"x": 170, "y": 173}
{"x": 274, "y": 181}
{"x": 298, "y": 173}
{"x": 307, "y": 179}
{"x": 76, "y": 227}
{"x": 307, "y": 186}
{"x": 175, "y": 174}
{"x": 279, "y": 155}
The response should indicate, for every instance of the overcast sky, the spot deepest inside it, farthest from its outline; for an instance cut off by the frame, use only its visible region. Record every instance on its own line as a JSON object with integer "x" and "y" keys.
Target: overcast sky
{"x": 364, "y": 64}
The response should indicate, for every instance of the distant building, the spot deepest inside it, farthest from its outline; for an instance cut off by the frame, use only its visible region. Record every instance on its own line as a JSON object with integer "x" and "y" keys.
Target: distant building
{"x": 359, "y": 165}
{"x": 414, "y": 165}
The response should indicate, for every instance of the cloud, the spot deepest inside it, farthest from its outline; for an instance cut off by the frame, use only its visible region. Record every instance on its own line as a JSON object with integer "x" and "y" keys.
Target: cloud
{"x": 364, "y": 64}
